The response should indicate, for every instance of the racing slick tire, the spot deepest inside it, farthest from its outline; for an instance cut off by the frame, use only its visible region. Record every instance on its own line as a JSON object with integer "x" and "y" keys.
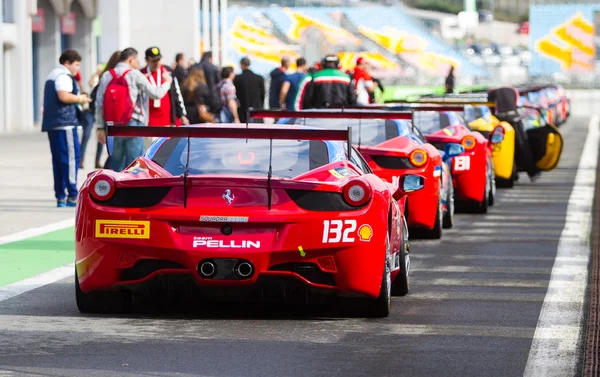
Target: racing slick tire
{"x": 100, "y": 302}
{"x": 401, "y": 285}
{"x": 448, "y": 221}
{"x": 492, "y": 195}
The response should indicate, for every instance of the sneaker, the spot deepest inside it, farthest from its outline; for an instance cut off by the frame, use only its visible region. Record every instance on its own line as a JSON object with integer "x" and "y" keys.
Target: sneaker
{"x": 71, "y": 202}
{"x": 61, "y": 203}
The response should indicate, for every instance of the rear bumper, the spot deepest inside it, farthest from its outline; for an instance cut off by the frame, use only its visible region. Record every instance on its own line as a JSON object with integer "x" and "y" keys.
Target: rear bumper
{"x": 355, "y": 270}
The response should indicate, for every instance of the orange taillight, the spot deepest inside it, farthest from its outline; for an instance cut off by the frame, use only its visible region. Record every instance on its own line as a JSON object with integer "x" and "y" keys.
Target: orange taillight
{"x": 418, "y": 157}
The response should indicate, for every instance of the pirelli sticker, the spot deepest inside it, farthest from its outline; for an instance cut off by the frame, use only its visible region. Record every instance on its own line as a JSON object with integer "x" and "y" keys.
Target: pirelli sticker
{"x": 125, "y": 229}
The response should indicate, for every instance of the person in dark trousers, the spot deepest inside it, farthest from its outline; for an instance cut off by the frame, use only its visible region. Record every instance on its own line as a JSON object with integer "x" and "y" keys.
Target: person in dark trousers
{"x": 449, "y": 85}
{"x": 327, "y": 87}
{"x": 250, "y": 89}
{"x": 62, "y": 114}
{"x": 180, "y": 72}
{"x": 211, "y": 72}
{"x": 506, "y": 100}
{"x": 277, "y": 79}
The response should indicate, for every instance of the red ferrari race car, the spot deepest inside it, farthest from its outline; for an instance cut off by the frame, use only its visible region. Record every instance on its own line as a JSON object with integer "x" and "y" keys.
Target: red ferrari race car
{"x": 243, "y": 210}
{"x": 473, "y": 170}
{"x": 392, "y": 148}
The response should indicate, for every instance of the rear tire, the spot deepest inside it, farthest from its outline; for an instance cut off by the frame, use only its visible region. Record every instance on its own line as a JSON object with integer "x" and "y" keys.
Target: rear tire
{"x": 100, "y": 302}
{"x": 448, "y": 221}
{"x": 401, "y": 285}
{"x": 492, "y": 195}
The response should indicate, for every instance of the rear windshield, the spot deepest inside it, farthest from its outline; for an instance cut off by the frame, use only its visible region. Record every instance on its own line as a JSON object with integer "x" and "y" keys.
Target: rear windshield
{"x": 429, "y": 121}
{"x": 370, "y": 132}
{"x": 240, "y": 156}
{"x": 473, "y": 113}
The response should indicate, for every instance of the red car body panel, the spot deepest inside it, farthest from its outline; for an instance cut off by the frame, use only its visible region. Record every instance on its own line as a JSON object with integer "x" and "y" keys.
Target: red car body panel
{"x": 469, "y": 170}
{"x": 423, "y": 204}
{"x": 109, "y": 238}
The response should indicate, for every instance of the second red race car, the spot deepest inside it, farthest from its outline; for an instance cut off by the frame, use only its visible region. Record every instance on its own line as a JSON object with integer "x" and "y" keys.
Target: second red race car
{"x": 242, "y": 211}
{"x": 392, "y": 147}
{"x": 473, "y": 170}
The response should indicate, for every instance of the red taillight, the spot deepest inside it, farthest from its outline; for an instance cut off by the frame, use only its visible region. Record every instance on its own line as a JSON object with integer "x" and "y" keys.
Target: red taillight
{"x": 357, "y": 192}
{"x": 468, "y": 142}
{"x": 418, "y": 158}
{"x": 102, "y": 187}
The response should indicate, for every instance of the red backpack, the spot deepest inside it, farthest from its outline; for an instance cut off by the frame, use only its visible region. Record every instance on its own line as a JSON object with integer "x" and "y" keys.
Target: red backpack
{"x": 118, "y": 107}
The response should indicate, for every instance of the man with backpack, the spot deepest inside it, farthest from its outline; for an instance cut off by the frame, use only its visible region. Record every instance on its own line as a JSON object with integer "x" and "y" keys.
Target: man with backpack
{"x": 122, "y": 98}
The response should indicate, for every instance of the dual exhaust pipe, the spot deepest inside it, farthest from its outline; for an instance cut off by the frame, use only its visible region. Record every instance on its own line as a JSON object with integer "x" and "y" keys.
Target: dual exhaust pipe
{"x": 242, "y": 269}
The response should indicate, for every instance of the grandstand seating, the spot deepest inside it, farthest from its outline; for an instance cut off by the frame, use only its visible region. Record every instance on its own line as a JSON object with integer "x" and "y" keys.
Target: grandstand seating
{"x": 246, "y": 38}
{"x": 386, "y": 24}
{"x": 388, "y": 27}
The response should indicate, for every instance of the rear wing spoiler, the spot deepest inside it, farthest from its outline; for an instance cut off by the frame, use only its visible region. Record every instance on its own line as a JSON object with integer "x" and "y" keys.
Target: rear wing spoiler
{"x": 409, "y": 107}
{"x": 336, "y": 113}
{"x": 230, "y": 131}
{"x": 444, "y": 104}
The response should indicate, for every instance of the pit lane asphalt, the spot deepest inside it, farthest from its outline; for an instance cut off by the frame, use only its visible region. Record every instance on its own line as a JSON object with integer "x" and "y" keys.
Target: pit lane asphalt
{"x": 472, "y": 311}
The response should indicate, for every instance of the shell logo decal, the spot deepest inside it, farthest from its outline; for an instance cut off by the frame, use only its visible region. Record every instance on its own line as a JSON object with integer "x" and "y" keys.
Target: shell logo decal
{"x": 365, "y": 232}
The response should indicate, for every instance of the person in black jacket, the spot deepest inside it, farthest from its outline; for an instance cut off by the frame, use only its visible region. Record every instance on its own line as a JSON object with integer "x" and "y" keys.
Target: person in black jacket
{"x": 328, "y": 87}
{"x": 180, "y": 71}
{"x": 277, "y": 80}
{"x": 250, "y": 89}
{"x": 211, "y": 72}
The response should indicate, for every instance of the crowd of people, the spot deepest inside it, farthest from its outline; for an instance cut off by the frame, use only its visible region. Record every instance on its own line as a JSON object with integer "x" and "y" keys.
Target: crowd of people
{"x": 187, "y": 92}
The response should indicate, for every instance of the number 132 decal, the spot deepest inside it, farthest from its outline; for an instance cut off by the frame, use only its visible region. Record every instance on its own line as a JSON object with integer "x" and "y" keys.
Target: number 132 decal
{"x": 335, "y": 231}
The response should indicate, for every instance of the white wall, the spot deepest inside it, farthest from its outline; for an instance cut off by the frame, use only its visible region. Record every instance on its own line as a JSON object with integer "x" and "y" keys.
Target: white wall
{"x": 172, "y": 25}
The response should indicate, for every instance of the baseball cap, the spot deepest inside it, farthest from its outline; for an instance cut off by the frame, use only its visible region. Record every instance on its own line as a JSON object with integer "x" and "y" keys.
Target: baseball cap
{"x": 153, "y": 53}
{"x": 360, "y": 60}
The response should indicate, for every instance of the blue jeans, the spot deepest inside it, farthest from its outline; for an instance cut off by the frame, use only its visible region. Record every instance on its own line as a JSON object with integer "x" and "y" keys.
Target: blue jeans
{"x": 87, "y": 130}
{"x": 126, "y": 149}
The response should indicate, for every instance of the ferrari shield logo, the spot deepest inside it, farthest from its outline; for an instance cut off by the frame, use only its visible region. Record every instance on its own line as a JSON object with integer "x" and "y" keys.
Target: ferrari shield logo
{"x": 228, "y": 196}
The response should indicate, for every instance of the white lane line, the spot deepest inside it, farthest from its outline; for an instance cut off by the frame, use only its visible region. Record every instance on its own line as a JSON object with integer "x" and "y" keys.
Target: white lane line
{"x": 34, "y": 232}
{"x": 37, "y": 281}
{"x": 546, "y": 358}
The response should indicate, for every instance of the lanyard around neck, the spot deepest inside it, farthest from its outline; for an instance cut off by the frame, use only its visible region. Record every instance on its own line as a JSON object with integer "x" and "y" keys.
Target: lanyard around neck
{"x": 158, "y": 76}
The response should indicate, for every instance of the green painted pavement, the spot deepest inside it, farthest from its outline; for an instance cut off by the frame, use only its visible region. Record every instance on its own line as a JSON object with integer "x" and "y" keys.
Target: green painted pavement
{"x": 23, "y": 259}
{"x": 398, "y": 93}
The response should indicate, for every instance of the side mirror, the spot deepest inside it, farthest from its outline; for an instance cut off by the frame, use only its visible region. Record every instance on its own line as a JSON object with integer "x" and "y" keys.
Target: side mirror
{"x": 497, "y": 136}
{"x": 452, "y": 150}
{"x": 406, "y": 184}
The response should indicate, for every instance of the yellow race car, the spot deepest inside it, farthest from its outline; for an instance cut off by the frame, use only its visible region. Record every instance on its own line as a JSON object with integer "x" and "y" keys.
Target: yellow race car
{"x": 545, "y": 140}
{"x": 480, "y": 118}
